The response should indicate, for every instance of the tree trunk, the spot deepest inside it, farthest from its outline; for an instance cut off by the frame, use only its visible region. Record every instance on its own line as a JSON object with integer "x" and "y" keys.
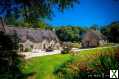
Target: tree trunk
{"x": 2, "y": 25}
{"x": 25, "y": 14}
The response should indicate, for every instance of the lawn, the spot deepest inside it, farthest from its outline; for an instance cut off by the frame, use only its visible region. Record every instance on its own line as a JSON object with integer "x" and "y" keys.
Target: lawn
{"x": 46, "y": 65}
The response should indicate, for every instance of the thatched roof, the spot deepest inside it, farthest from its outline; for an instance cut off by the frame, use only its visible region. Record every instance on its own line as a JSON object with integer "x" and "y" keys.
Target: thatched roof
{"x": 92, "y": 38}
{"x": 93, "y": 34}
{"x": 34, "y": 35}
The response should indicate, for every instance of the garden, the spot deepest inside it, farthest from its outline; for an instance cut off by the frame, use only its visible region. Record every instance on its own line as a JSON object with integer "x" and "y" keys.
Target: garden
{"x": 67, "y": 66}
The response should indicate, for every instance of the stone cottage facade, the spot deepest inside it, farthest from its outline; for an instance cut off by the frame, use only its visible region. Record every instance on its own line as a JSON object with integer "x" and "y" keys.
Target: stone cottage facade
{"x": 93, "y": 38}
{"x": 35, "y": 38}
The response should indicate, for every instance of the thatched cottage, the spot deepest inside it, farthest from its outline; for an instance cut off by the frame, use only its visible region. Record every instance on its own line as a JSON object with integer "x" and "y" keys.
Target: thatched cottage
{"x": 93, "y": 38}
{"x": 35, "y": 38}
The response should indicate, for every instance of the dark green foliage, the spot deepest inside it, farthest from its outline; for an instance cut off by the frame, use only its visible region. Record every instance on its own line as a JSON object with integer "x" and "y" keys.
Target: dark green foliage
{"x": 101, "y": 65}
{"x": 112, "y": 32}
{"x": 104, "y": 63}
{"x": 62, "y": 72}
{"x": 9, "y": 60}
{"x": 32, "y": 11}
{"x": 43, "y": 8}
{"x": 28, "y": 50}
{"x": 70, "y": 33}
{"x": 42, "y": 25}
{"x": 65, "y": 51}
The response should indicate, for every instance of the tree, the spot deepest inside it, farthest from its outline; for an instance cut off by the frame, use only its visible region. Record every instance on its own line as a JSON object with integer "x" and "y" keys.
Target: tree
{"x": 41, "y": 24}
{"x": 69, "y": 33}
{"x": 112, "y": 32}
{"x": 9, "y": 59}
{"x": 33, "y": 10}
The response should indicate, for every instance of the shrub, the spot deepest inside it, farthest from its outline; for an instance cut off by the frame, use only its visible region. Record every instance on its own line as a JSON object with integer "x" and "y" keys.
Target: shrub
{"x": 75, "y": 45}
{"x": 63, "y": 71}
{"x": 117, "y": 54}
{"x": 28, "y": 50}
{"x": 66, "y": 51}
{"x": 102, "y": 64}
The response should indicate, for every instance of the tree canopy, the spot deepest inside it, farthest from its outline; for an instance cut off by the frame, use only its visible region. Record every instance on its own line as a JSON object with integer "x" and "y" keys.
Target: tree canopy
{"x": 112, "y": 32}
{"x": 70, "y": 33}
{"x": 33, "y": 10}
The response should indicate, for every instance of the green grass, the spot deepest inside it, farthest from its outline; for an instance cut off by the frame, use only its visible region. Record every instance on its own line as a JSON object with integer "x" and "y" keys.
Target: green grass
{"x": 87, "y": 55}
{"x": 77, "y": 69}
{"x": 46, "y": 65}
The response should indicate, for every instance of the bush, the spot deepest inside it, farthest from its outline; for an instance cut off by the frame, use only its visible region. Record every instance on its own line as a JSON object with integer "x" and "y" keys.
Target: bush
{"x": 63, "y": 72}
{"x": 117, "y": 54}
{"x": 104, "y": 63}
{"x": 28, "y": 50}
{"x": 101, "y": 65}
{"x": 66, "y": 51}
{"x": 83, "y": 70}
{"x": 75, "y": 45}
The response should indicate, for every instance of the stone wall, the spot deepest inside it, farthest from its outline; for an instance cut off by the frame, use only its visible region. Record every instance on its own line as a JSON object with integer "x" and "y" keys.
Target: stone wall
{"x": 41, "y": 45}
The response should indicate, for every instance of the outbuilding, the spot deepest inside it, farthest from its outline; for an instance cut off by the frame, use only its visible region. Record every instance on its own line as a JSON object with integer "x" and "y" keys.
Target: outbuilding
{"x": 93, "y": 38}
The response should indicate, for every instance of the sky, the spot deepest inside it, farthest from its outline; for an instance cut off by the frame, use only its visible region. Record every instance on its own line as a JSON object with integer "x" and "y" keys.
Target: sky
{"x": 88, "y": 13}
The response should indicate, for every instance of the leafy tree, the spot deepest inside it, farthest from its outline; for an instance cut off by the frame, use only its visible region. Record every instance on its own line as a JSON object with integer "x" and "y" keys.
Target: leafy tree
{"x": 69, "y": 33}
{"x": 112, "y": 32}
{"x": 33, "y": 10}
{"x": 41, "y": 24}
{"x": 11, "y": 19}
